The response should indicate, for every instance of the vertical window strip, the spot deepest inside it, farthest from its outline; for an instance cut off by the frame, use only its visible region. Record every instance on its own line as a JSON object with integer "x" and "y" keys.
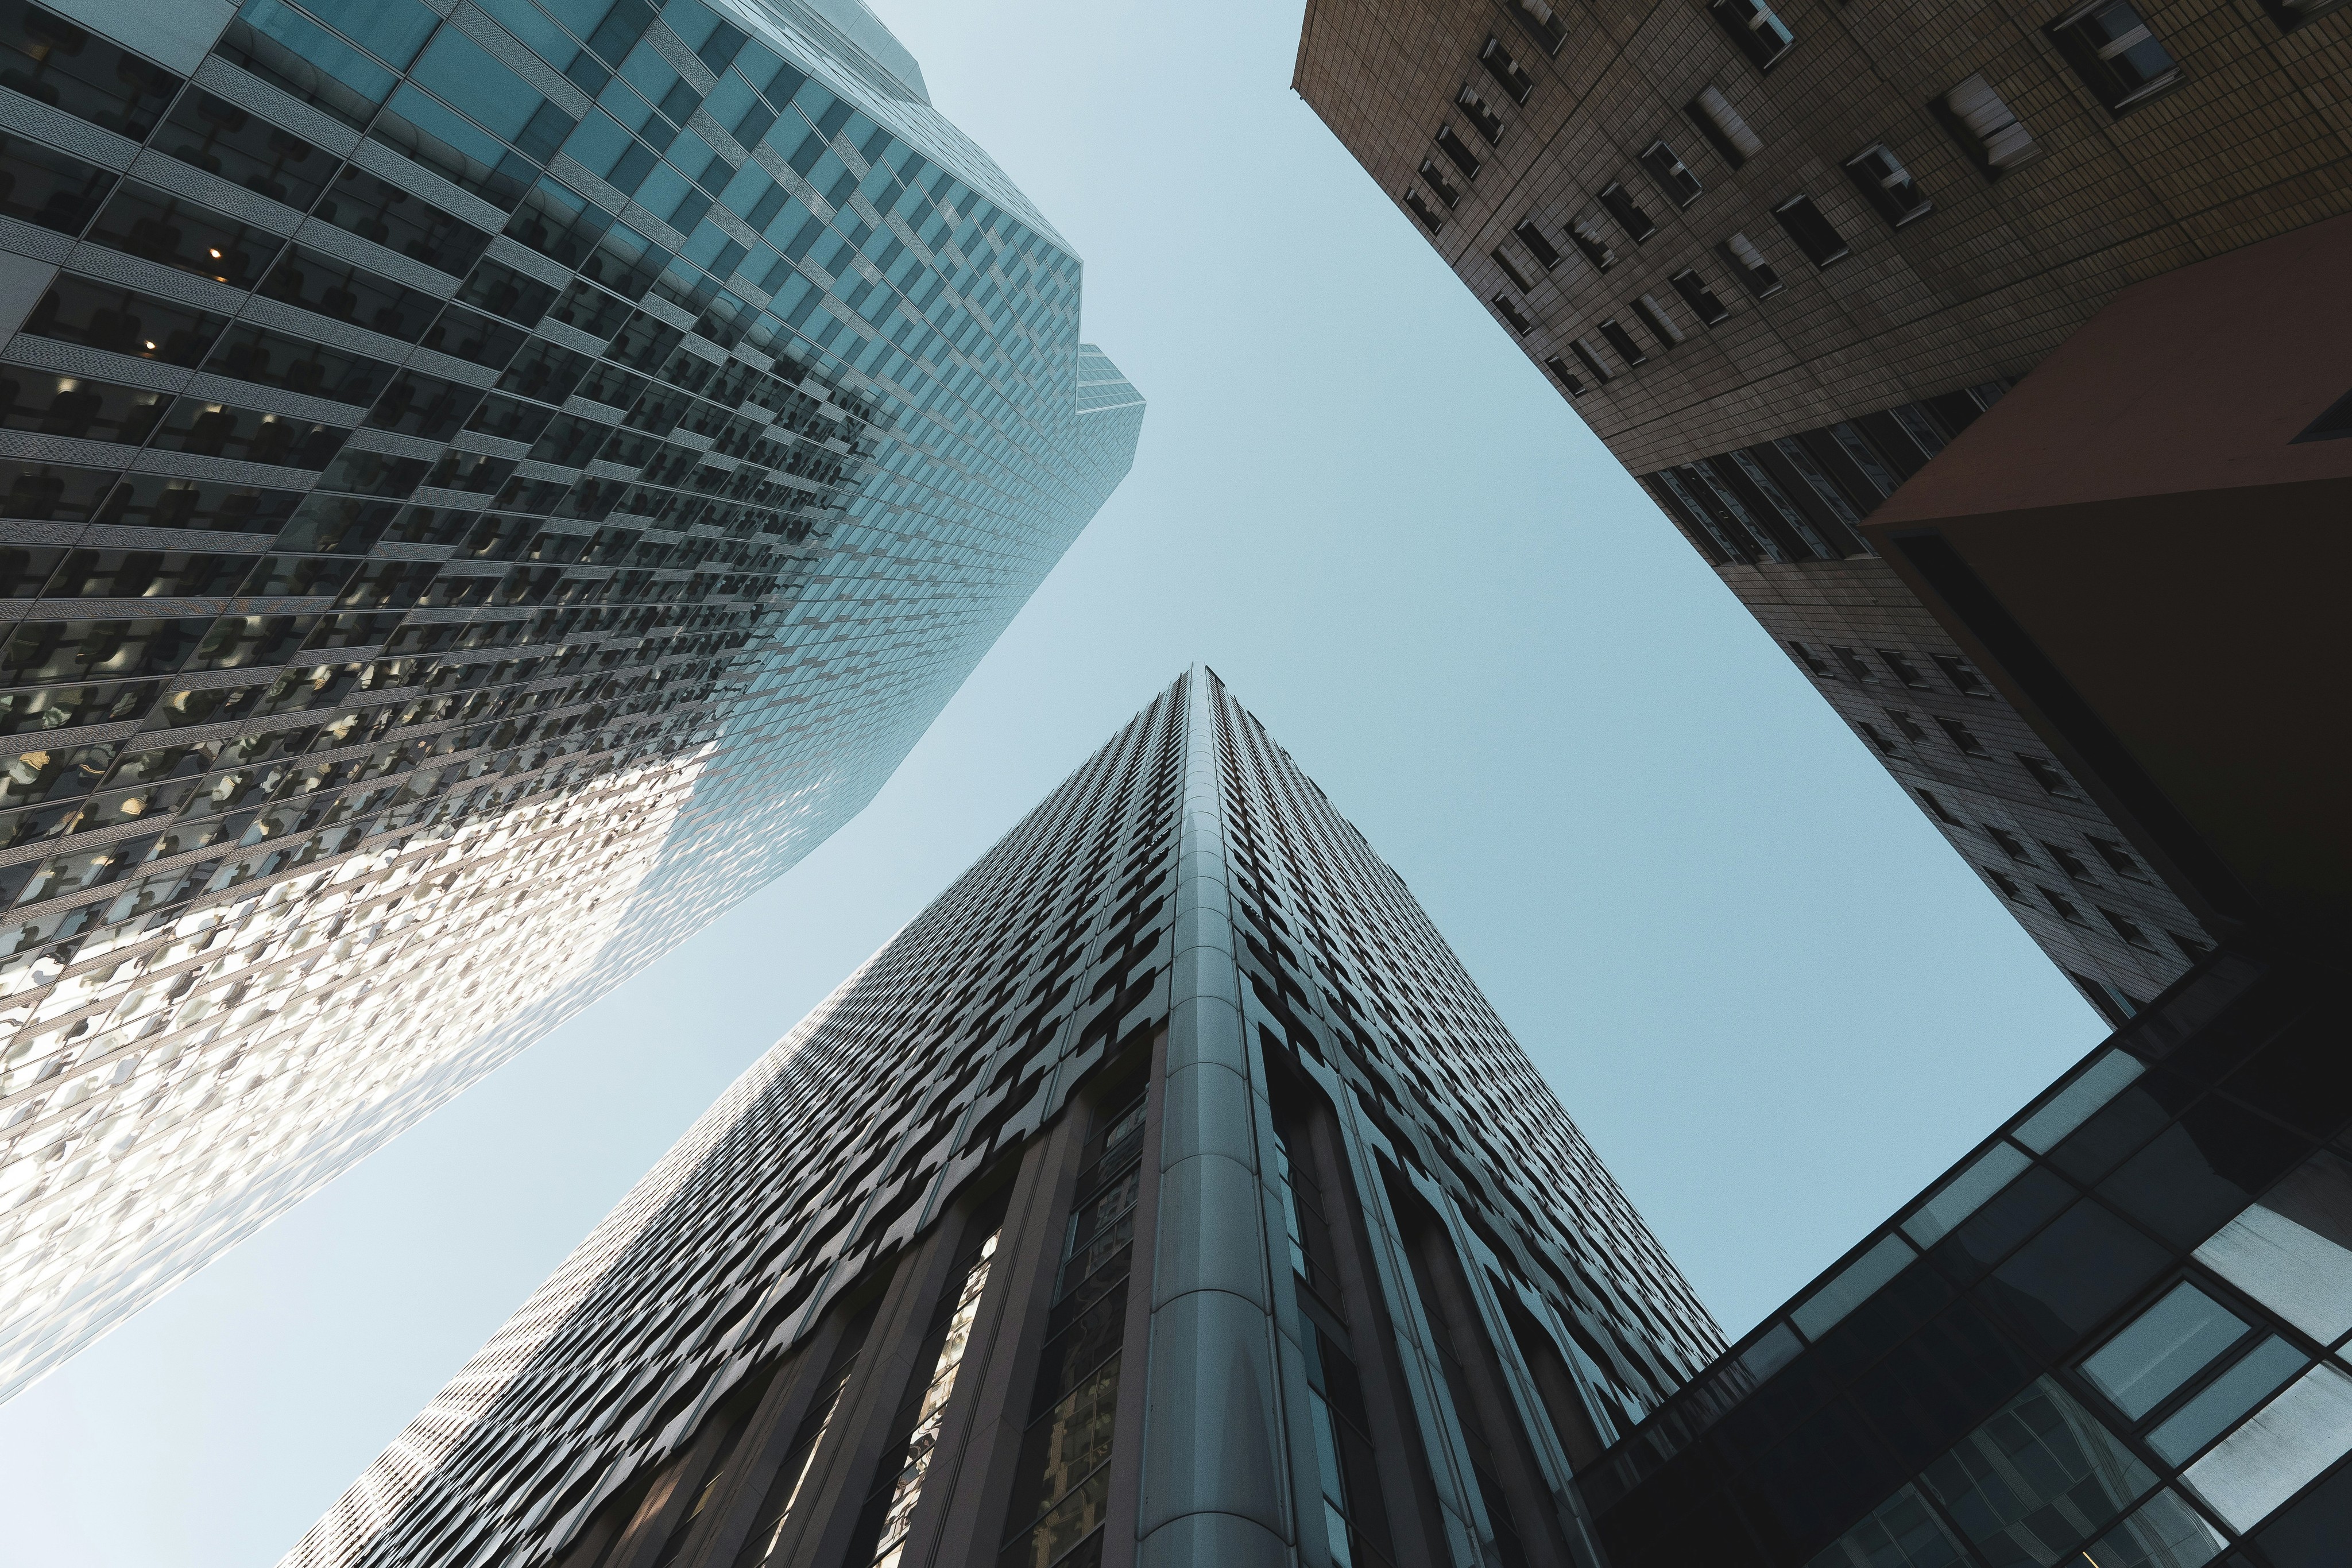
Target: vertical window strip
{"x": 1063, "y": 1478}
{"x": 907, "y": 1487}
{"x": 791, "y": 1476}
{"x": 1355, "y": 1523}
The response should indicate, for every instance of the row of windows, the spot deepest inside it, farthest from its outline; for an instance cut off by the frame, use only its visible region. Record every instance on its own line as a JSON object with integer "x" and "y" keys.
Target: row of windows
{"x": 1964, "y": 677}
{"x": 2106, "y": 41}
{"x": 1802, "y": 496}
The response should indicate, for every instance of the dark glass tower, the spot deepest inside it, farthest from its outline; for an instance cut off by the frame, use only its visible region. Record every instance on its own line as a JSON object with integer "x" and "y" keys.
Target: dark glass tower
{"x": 483, "y": 487}
{"x": 1936, "y": 333}
{"x": 1165, "y": 1193}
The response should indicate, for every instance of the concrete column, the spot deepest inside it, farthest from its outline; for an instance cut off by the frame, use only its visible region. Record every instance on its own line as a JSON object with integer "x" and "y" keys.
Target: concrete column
{"x": 1215, "y": 1493}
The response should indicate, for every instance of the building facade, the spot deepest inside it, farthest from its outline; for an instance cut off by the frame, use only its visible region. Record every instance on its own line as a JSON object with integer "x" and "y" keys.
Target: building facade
{"x": 1782, "y": 255}
{"x": 1164, "y": 1193}
{"x": 483, "y": 487}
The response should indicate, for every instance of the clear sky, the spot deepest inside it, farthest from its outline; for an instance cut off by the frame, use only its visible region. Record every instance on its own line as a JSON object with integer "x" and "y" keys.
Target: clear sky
{"x": 1773, "y": 998}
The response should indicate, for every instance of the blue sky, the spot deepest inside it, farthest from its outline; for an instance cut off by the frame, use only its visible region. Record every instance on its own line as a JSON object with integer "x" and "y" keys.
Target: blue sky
{"x": 1771, "y": 997}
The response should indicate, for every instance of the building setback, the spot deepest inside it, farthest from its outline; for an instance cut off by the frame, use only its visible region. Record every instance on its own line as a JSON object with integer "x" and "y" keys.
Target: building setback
{"x": 482, "y": 490}
{"x": 1781, "y": 256}
{"x": 1165, "y": 1192}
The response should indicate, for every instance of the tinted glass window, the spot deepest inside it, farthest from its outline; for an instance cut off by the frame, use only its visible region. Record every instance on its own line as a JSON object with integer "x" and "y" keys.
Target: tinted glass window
{"x": 2061, "y": 1283}
{"x": 2163, "y": 1348}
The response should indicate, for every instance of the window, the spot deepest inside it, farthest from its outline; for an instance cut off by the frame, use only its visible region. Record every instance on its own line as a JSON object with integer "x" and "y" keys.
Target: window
{"x": 1887, "y": 185}
{"x": 2073, "y": 864}
{"x": 1586, "y": 232}
{"x": 1857, "y": 450}
{"x": 51, "y": 60}
{"x": 1565, "y": 377}
{"x": 1721, "y": 124}
{"x": 1903, "y": 669}
{"x": 2158, "y": 1351}
{"x": 1510, "y": 269}
{"x": 1435, "y": 177}
{"x": 1626, "y": 211}
{"x": 1754, "y": 274}
{"x": 1875, "y": 736}
{"x": 1546, "y": 254}
{"x": 1962, "y": 737}
{"x": 1590, "y": 357}
{"x": 2191, "y": 947}
{"x": 1622, "y": 341}
{"x": 1674, "y": 176}
{"x": 2010, "y": 845}
{"x": 1965, "y": 678}
{"x": 1511, "y": 313}
{"x": 1431, "y": 218}
{"x": 2046, "y": 774}
{"x": 1762, "y": 36}
{"x": 2117, "y": 1007}
{"x": 2066, "y": 911}
{"x": 1480, "y": 113}
{"x": 1457, "y": 151}
{"x": 1512, "y": 75}
{"x": 1810, "y": 660}
{"x": 2110, "y": 48}
{"x": 1854, "y": 666}
{"x": 2119, "y": 859}
{"x": 1541, "y": 24}
{"x": 1661, "y": 325}
{"x": 1761, "y": 481}
{"x": 1937, "y": 808}
{"x": 1803, "y": 221}
{"x": 1832, "y": 499}
{"x": 1699, "y": 297}
{"x": 1907, "y": 725}
{"x": 2125, "y": 928}
{"x": 2006, "y": 884}
{"x": 1987, "y": 126}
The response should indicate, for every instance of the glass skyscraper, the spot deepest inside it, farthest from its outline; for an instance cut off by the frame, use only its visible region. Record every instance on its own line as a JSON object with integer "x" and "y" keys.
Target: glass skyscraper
{"x": 483, "y": 487}
{"x": 1164, "y": 1193}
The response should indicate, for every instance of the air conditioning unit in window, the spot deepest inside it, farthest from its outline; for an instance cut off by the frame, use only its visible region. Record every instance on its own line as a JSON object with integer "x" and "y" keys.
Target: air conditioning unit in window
{"x": 1987, "y": 126}
{"x": 1887, "y": 185}
{"x": 1724, "y": 127}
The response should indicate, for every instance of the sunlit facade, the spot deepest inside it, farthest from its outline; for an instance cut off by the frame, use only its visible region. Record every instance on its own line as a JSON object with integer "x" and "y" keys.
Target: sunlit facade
{"x": 480, "y": 494}
{"x": 1164, "y": 1193}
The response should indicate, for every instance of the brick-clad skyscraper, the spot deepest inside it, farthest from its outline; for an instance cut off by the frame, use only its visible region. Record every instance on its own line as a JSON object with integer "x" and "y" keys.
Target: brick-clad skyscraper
{"x": 1782, "y": 255}
{"x": 483, "y": 487}
{"x": 1164, "y": 1193}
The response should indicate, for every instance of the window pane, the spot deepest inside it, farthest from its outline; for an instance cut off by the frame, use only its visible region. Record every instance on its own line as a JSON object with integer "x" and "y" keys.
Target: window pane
{"x": 2163, "y": 1348}
{"x": 2038, "y": 1480}
{"x": 2227, "y": 1397}
{"x": 2268, "y": 1459}
{"x": 2167, "y": 1532}
{"x": 1965, "y": 1194}
{"x": 2292, "y": 1250}
{"x": 1901, "y": 1533}
{"x": 2074, "y": 1104}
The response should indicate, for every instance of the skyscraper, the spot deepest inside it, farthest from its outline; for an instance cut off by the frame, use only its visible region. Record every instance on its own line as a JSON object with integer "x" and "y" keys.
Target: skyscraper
{"x": 485, "y": 488}
{"x": 1164, "y": 1193}
{"x": 1784, "y": 259}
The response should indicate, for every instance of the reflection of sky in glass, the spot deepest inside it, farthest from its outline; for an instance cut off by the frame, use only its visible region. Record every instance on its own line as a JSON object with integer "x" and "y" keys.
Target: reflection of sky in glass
{"x": 172, "y": 1073}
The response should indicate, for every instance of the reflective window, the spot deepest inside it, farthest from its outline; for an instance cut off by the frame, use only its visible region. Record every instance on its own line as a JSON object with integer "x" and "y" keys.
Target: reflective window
{"x": 2162, "y": 1349}
{"x": 2292, "y": 1251}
